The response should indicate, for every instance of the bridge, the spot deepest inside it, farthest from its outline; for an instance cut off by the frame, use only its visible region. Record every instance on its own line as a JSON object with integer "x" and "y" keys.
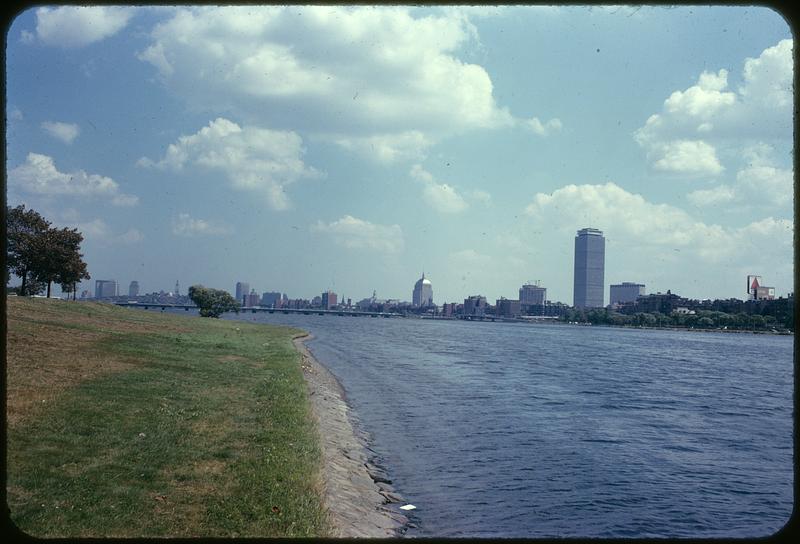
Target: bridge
{"x": 257, "y": 309}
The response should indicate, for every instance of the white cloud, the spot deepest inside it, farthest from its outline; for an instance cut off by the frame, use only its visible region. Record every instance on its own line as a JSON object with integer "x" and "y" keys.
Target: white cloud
{"x": 39, "y": 176}
{"x": 354, "y": 233}
{"x": 759, "y": 184}
{"x": 479, "y": 195}
{"x": 543, "y": 129}
{"x": 388, "y": 148}
{"x": 27, "y": 37}
{"x": 188, "y": 226}
{"x": 66, "y": 132}
{"x": 648, "y": 232}
{"x": 703, "y": 100}
{"x": 77, "y": 26}
{"x": 768, "y": 79}
{"x": 692, "y": 157}
{"x": 98, "y": 231}
{"x": 254, "y": 159}
{"x": 722, "y": 194}
{"x": 376, "y": 80}
{"x": 15, "y": 114}
{"x": 761, "y": 108}
{"x": 440, "y": 196}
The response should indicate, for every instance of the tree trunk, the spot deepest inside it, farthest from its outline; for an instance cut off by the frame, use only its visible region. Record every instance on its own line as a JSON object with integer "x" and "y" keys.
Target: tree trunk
{"x": 48, "y": 289}
{"x": 24, "y": 281}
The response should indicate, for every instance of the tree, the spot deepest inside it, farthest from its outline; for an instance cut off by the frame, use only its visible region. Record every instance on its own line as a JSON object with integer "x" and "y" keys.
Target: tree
{"x": 24, "y": 228}
{"x": 58, "y": 258}
{"x": 73, "y": 272}
{"x": 40, "y": 254}
{"x": 212, "y": 302}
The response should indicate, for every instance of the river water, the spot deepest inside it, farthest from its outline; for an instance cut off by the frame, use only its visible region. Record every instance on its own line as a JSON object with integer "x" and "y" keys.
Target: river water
{"x": 518, "y": 430}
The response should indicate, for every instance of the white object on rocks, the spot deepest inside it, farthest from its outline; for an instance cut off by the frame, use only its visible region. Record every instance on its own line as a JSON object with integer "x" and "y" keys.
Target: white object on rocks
{"x": 408, "y": 507}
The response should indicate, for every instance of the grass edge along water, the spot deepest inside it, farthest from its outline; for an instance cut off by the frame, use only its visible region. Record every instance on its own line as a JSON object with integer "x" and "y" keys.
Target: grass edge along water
{"x": 132, "y": 424}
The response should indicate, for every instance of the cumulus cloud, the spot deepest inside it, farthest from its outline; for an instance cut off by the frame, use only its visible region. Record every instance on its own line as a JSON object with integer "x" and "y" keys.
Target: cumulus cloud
{"x": 98, "y": 231}
{"x": 39, "y": 176}
{"x": 188, "y": 226}
{"x": 354, "y": 233}
{"x": 377, "y": 80}
{"x": 388, "y": 148}
{"x": 66, "y": 132}
{"x": 654, "y": 229}
{"x": 693, "y": 124}
{"x": 759, "y": 184}
{"x": 721, "y": 194}
{"x": 254, "y": 159}
{"x": 542, "y": 129}
{"x": 77, "y": 26}
{"x": 440, "y": 196}
{"x": 693, "y": 157}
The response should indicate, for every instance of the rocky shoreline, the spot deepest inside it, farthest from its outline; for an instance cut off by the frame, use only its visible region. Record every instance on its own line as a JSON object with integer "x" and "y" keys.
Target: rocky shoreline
{"x": 357, "y": 490}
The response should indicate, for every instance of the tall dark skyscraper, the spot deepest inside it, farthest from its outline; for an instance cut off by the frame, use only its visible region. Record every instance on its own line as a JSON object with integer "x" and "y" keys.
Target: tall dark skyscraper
{"x": 590, "y": 262}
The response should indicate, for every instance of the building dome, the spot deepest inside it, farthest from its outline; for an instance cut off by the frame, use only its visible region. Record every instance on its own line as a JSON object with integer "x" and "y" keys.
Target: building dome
{"x": 423, "y": 292}
{"x": 422, "y": 281}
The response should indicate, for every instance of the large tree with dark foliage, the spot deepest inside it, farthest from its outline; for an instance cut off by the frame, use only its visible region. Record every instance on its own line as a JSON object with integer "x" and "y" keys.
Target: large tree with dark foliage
{"x": 24, "y": 228}
{"x": 212, "y": 302}
{"x": 41, "y": 255}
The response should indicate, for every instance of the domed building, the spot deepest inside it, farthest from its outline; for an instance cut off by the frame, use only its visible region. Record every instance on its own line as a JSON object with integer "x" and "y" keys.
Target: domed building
{"x": 423, "y": 292}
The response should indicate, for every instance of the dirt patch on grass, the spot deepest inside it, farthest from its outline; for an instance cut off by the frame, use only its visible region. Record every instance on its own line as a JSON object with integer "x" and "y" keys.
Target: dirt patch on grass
{"x": 233, "y": 359}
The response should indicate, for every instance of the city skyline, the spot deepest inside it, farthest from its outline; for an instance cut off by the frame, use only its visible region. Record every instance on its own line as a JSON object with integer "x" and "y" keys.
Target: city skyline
{"x": 346, "y": 148}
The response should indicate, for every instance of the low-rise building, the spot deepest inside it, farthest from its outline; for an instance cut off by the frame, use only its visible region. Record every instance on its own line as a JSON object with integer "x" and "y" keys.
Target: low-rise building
{"x": 475, "y": 306}
{"x": 507, "y": 308}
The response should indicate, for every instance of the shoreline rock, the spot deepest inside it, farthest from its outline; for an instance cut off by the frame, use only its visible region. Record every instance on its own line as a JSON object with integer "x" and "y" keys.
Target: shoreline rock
{"x": 356, "y": 491}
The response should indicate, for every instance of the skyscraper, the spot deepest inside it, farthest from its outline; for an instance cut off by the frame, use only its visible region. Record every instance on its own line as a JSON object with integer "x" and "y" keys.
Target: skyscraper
{"x": 590, "y": 260}
{"x": 423, "y": 292}
{"x": 133, "y": 289}
{"x": 242, "y": 290}
{"x": 105, "y": 288}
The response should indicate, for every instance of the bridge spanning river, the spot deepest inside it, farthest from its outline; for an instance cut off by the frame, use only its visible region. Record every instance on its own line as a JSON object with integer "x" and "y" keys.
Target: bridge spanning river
{"x": 257, "y": 309}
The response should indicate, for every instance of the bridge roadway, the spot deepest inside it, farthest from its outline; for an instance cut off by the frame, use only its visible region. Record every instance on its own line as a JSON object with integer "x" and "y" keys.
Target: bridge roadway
{"x": 256, "y": 309}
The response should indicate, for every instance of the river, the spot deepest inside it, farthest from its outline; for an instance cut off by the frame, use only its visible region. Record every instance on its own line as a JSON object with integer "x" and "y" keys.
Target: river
{"x": 552, "y": 430}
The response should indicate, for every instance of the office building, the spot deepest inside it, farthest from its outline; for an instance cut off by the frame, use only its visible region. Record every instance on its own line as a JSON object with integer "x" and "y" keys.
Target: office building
{"x": 252, "y": 299}
{"x": 242, "y": 289}
{"x": 133, "y": 289}
{"x": 590, "y": 258}
{"x": 532, "y": 294}
{"x": 105, "y": 288}
{"x": 423, "y": 292}
{"x": 328, "y": 300}
{"x": 625, "y": 292}
{"x": 475, "y": 306}
{"x": 507, "y": 308}
{"x": 271, "y": 300}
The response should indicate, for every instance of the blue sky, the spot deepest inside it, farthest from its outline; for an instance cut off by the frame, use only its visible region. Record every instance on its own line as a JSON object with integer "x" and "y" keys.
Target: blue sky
{"x": 350, "y": 148}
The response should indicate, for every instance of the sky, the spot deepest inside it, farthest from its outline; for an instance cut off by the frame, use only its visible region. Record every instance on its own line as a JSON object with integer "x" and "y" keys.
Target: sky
{"x": 302, "y": 149}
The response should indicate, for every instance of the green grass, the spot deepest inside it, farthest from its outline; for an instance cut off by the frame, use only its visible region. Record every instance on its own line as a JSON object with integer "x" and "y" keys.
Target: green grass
{"x": 209, "y": 433}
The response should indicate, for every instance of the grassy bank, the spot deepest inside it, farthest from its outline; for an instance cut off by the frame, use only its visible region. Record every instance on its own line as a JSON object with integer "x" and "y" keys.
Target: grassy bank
{"x": 127, "y": 423}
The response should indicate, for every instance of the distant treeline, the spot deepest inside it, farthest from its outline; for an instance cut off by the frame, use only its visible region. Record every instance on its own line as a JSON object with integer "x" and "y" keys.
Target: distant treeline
{"x": 702, "y": 319}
